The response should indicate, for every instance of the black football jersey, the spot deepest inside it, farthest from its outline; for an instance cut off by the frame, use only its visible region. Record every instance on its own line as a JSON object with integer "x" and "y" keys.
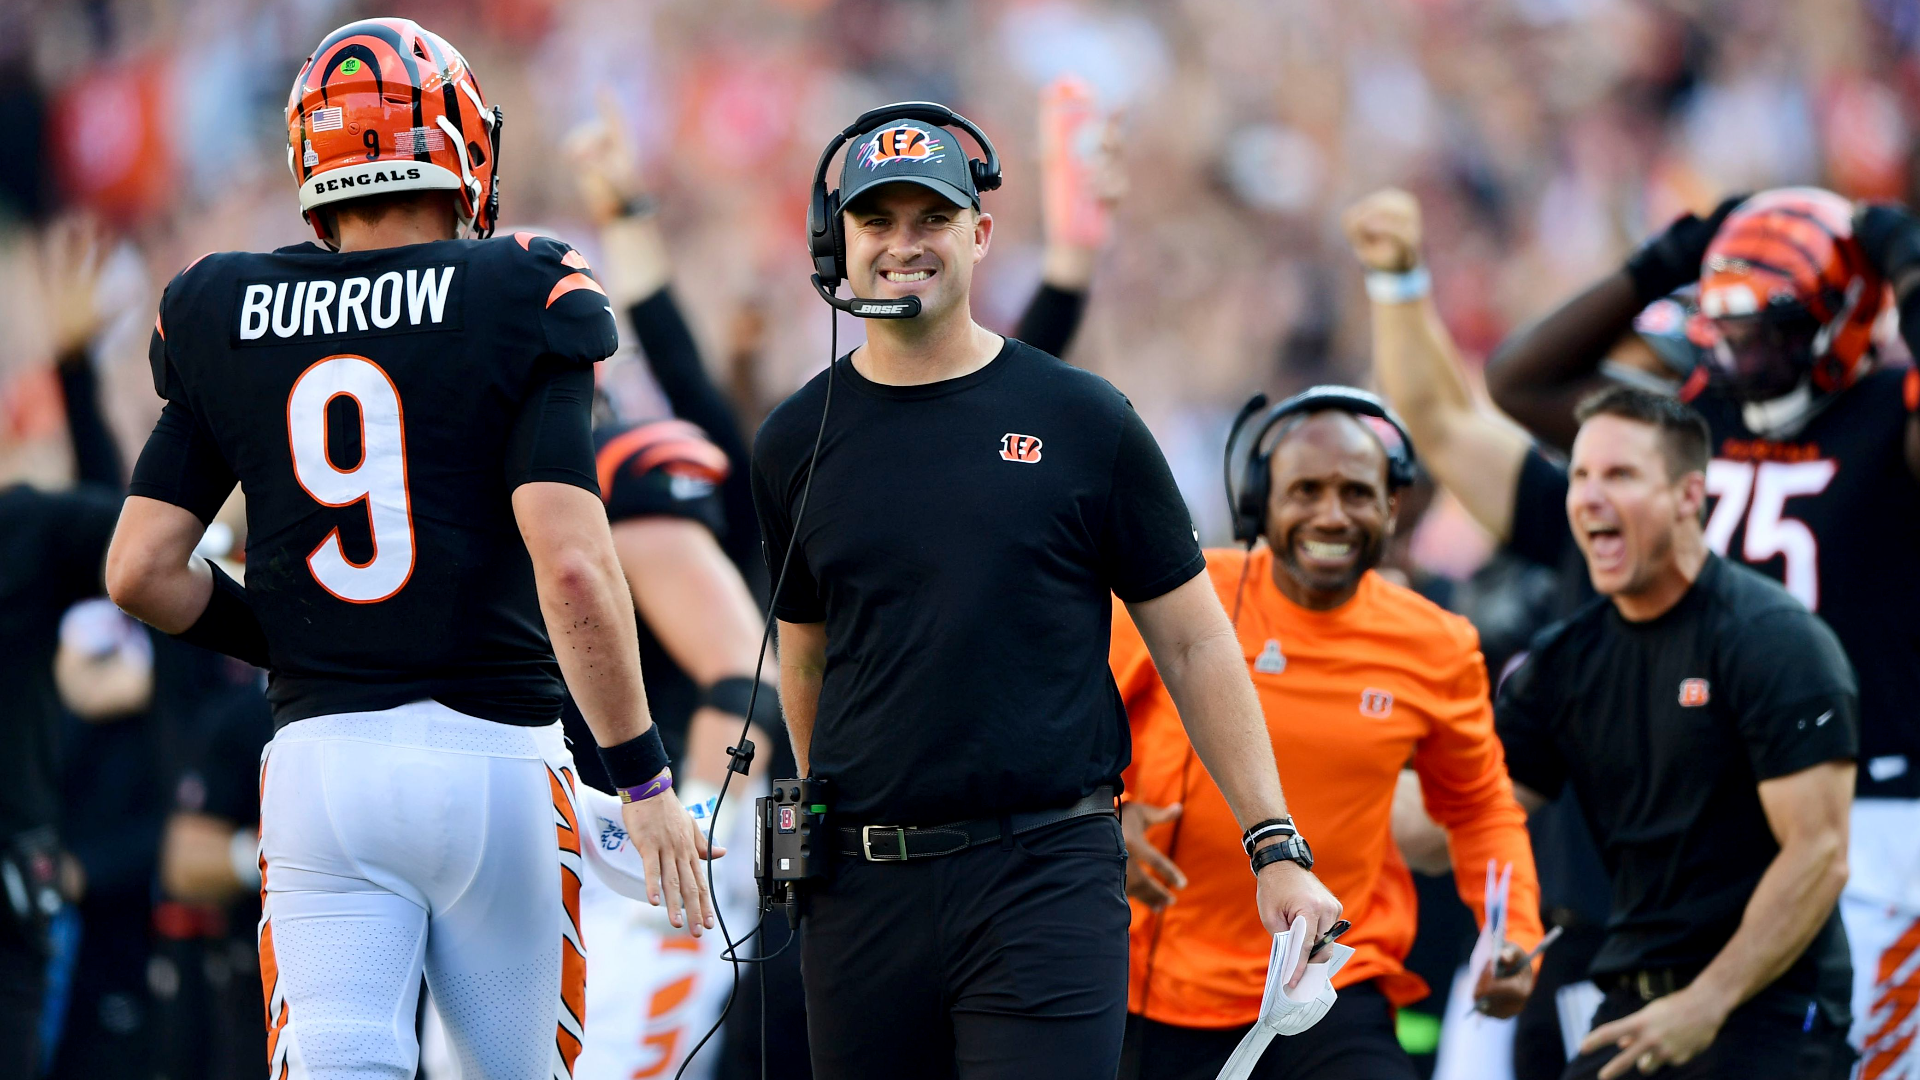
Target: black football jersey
{"x": 1833, "y": 514}
{"x": 377, "y": 408}
{"x": 653, "y": 469}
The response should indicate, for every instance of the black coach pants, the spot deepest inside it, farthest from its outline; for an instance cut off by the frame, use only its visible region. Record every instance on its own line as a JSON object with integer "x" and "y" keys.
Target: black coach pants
{"x": 23, "y": 988}
{"x": 1354, "y": 1041}
{"x": 1768, "y": 1038}
{"x": 1004, "y": 961}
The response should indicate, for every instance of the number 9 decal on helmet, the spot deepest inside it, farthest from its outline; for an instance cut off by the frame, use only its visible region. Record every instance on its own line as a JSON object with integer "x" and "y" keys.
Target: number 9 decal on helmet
{"x": 384, "y": 106}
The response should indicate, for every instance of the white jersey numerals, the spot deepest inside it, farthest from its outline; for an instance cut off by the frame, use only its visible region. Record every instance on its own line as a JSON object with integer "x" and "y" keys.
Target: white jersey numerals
{"x": 1765, "y": 488}
{"x": 379, "y": 478}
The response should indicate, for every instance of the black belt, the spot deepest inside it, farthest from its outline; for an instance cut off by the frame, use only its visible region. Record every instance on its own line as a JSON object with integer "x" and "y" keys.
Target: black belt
{"x": 898, "y": 843}
{"x": 1650, "y": 983}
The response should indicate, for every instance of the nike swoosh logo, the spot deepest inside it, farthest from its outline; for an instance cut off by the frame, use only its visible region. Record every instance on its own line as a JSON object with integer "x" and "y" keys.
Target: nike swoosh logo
{"x": 1823, "y": 718}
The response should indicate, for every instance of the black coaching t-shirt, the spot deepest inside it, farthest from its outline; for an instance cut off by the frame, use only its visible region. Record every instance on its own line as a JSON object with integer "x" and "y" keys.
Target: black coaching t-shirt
{"x": 1665, "y": 729}
{"x": 961, "y": 543}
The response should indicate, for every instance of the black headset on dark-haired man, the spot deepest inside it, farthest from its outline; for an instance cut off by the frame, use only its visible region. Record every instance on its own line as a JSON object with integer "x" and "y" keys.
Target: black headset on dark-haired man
{"x": 1247, "y": 500}
{"x": 827, "y": 233}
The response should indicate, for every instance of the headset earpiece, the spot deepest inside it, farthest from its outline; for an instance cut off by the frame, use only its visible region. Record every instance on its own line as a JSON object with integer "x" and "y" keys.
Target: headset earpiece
{"x": 985, "y": 176}
{"x": 1250, "y": 517}
{"x": 824, "y": 241}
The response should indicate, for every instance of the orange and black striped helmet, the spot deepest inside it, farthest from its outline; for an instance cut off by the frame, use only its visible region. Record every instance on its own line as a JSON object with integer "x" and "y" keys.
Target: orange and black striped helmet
{"x": 1786, "y": 261}
{"x": 385, "y": 106}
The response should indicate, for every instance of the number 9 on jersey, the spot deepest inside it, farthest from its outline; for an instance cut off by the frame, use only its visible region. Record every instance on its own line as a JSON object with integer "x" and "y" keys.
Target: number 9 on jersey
{"x": 379, "y": 478}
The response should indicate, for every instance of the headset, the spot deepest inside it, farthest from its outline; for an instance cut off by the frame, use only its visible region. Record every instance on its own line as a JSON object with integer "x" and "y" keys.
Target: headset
{"x": 1249, "y": 505}
{"x": 827, "y": 242}
{"x": 827, "y": 233}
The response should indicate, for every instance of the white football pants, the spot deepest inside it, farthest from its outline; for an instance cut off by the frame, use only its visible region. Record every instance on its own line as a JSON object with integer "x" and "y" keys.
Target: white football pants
{"x": 413, "y": 841}
{"x": 1881, "y": 909}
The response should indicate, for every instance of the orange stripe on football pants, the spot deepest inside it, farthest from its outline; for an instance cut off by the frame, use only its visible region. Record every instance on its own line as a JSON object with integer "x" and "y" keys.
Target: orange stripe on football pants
{"x": 573, "y": 959}
{"x": 1886, "y": 1044}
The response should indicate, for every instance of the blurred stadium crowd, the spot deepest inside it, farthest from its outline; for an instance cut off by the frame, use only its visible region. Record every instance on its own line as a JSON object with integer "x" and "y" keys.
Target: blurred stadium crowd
{"x": 1544, "y": 138}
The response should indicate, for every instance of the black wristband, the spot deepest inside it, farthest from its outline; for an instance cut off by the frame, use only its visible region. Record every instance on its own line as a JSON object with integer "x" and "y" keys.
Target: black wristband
{"x": 636, "y": 761}
{"x": 228, "y": 625}
{"x": 731, "y": 695}
{"x": 1260, "y": 830}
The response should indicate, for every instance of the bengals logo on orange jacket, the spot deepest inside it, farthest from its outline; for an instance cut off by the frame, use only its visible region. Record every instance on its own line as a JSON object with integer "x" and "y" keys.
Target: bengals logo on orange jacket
{"x": 1020, "y": 447}
{"x": 904, "y": 142}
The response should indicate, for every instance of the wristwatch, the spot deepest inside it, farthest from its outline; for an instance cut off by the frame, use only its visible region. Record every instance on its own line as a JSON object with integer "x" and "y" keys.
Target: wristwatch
{"x": 1293, "y": 849}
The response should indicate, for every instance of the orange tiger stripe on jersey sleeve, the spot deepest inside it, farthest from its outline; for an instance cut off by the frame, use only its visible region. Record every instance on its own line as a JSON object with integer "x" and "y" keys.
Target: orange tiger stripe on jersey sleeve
{"x": 650, "y": 445}
{"x": 571, "y": 282}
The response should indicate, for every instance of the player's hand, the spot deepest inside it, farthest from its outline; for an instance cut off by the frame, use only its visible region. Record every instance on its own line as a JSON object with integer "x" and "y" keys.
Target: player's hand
{"x": 1079, "y": 190}
{"x": 75, "y": 248}
{"x": 1151, "y": 876}
{"x": 671, "y": 846}
{"x": 1889, "y": 237}
{"x": 1672, "y": 259}
{"x": 1286, "y": 890}
{"x": 604, "y": 164}
{"x": 1503, "y": 996}
{"x": 1670, "y": 1031}
{"x": 1384, "y": 229}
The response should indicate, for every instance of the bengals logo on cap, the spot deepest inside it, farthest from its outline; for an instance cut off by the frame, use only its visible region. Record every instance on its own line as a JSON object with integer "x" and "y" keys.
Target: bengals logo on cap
{"x": 903, "y": 143}
{"x": 1020, "y": 447}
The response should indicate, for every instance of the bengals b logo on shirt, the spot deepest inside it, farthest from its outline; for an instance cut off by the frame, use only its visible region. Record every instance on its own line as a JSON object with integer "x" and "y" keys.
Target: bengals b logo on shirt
{"x": 1020, "y": 447}
{"x": 1694, "y": 693}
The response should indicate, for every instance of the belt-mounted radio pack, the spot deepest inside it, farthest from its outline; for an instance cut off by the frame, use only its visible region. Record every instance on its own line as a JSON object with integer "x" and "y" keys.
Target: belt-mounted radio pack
{"x": 792, "y": 843}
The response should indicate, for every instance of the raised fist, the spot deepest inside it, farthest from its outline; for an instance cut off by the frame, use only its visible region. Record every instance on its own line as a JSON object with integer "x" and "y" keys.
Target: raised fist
{"x": 1384, "y": 229}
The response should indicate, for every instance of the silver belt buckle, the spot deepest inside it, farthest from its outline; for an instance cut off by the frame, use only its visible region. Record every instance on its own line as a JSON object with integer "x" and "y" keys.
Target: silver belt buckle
{"x": 866, "y": 843}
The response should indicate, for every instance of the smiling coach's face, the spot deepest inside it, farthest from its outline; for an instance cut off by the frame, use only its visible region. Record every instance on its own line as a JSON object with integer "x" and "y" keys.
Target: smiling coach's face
{"x": 1330, "y": 509}
{"x": 906, "y": 240}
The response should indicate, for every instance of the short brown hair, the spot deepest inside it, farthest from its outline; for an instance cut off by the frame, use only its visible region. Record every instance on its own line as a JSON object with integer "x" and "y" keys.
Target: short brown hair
{"x": 1685, "y": 439}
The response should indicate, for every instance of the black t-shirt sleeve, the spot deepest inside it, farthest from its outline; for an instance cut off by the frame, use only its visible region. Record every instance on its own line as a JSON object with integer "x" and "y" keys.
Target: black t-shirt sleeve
{"x": 798, "y": 598}
{"x": 1524, "y": 718}
{"x": 552, "y": 439}
{"x": 1540, "y": 532}
{"x": 1147, "y": 542}
{"x": 1792, "y": 692}
{"x": 182, "y": 465}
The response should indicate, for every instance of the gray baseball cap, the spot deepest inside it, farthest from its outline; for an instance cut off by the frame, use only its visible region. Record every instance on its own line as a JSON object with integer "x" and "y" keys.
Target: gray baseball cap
{"x": 908, "y": 151}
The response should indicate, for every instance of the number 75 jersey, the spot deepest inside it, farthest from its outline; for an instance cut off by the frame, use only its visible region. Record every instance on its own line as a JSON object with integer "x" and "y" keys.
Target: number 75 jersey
{"x": 377, "y": 409}
{"x": 1834, "y": 514}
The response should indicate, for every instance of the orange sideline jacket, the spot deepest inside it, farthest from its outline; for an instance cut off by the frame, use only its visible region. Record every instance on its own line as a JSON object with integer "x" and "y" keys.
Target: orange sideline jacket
{"x": 1351, "y": 696}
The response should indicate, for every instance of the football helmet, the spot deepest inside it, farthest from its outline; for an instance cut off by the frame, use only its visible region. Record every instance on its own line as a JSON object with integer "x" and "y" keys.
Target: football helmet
{"x": 1787, "y": 296}
{"x": 383, "y": 106}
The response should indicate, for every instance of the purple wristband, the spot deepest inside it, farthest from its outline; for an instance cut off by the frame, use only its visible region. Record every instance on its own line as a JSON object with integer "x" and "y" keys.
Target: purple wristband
{"x": 642, "y": 792}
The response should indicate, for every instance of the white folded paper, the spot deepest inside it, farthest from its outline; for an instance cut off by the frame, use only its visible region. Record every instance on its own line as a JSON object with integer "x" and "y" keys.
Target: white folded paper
{"x": 1493, "y": 932}
{"x": 1283, "y": 1010}
{"x": 603, "y": 837}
